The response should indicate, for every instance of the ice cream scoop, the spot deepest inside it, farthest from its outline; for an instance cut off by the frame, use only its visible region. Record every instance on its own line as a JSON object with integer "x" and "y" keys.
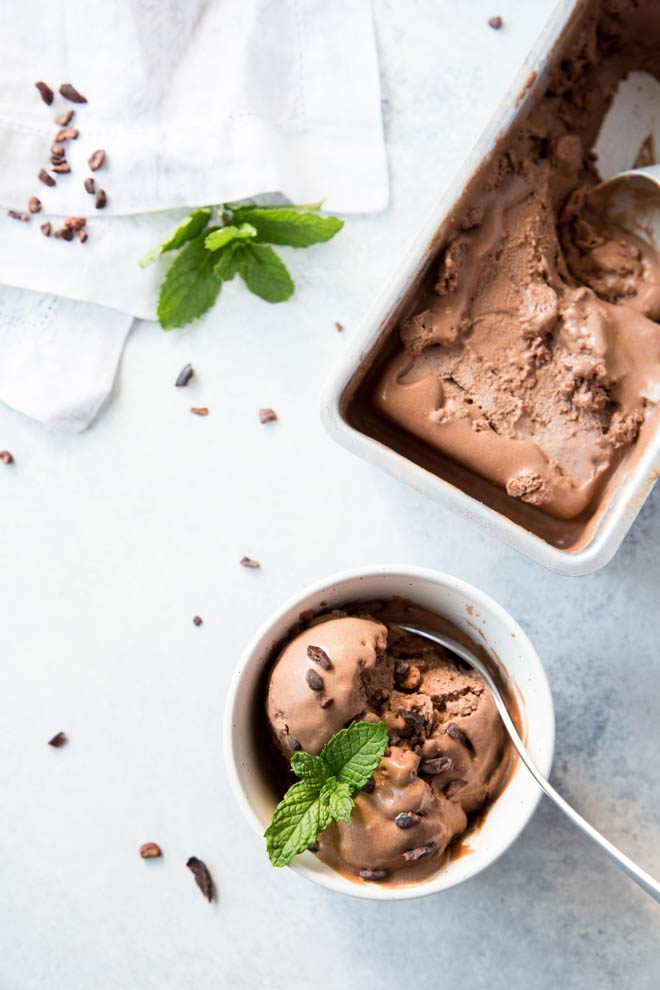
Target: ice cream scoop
{"x": 631, "y": 199}
{"x": 645, "y": 881}
{"x": 323, "y": 679}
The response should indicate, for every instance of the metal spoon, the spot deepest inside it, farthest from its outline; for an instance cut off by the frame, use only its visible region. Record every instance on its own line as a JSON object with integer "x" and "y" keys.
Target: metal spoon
{"x": 640, "y": 877}
{"x": 632, "y": 199}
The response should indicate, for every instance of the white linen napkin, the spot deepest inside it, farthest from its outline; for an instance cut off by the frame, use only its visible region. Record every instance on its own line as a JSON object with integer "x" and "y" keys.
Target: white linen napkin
{"x": 195, "y": 103}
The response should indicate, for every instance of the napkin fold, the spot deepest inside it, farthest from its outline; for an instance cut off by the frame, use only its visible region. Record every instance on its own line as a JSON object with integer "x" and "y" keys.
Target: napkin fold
{"x": 195, "y": 103}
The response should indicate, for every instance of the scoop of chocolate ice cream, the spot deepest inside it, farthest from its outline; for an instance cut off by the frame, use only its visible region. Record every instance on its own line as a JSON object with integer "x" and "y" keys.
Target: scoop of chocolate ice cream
{"x": 326, "y": 677}
{"x": 400, "y": 827}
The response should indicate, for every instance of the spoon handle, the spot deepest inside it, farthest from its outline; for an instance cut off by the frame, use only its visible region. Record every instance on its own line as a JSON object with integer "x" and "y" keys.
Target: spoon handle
{"x": 641, "y": 877}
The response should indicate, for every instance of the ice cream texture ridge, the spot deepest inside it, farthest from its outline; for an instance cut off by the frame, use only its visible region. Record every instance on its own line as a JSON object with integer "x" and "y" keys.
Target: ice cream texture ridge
{"x": 533, "y": 354}
{"x": 448, "y": 755}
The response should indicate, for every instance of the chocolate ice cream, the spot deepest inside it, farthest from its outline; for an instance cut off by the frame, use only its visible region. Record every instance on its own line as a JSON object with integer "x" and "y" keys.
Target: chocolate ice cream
{"x": 533, "y": 354}
{"x": 449, "y": 755}
{"x": 324, "y": 678}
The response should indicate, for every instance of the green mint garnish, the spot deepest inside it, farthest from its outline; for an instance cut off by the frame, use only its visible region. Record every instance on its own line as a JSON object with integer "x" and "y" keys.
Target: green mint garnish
{"x": 224, "y": 235}
{"x": 191, "y": 227}
{"x": 281, "y": 225}
{"x": 325, "y": 790}
{"x": 190, "y": 287}
{"x": 238, "y": 245}
{"x": 264, "y": 272}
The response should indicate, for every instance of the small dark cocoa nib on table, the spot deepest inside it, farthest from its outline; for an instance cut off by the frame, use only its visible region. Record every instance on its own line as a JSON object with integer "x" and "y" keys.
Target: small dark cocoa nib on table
{"x": 202, "y": 876}
{"x": 373, "y": 874}
{"x": 495, "y": 22}
{"x": 6, "y": 457}
{"x": 267, "y": 415}
{"x": 96, "y": 159}
{"x": 314, "y": 680}
{"x": 70, "y": 92}
{"x": 441, "y": 764}
{"x": 15, "y": 215}
{"x": 339, "y": 326}
{"x": 34, "y": 204}
{"x": 101, "y": 199}
{"x": 45, "y": 92}
{"x": 150, "y": 850}
{"x": 82, "y": 235}
{"x": 187, "y": 372}
{"x": 406, "y": 819}
{"x": 199, "y": 411}
{"x": 197, "y": 619}
{"x": 44, "y": 177}
{"x": 58, "y": 740}
{"x": 62, "y": 167}
{"x": 57, "y": 149}
{"x": 65, "y": 118}
{"x": 90, "y": 186}
{"x": 320, "y": 657}
{"x": 248, "y": 562}
{"x": 45, "y": 228}
{"x": 412, "y": 855}
{"x": 64, "y": 233}
{"x": 75, "y": 223}
{"x": 67, "y": 134}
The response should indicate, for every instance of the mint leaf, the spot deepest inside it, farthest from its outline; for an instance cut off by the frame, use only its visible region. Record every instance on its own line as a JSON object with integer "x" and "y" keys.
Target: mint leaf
{"x": 190, "y": 228}
{"x": 354, "y": 753}
{"x": 264, "y": 272}
{"x": 310, "y": 768}
{"x": 286, "y": 225}
{"x": 226, "y": 265}
{"x": 190, "y": 287}
{"x": 298, "y": 819}
{"x": 218, "y": 238}
{"x": 324, "y": 794}
{"x": 336, "y": 795}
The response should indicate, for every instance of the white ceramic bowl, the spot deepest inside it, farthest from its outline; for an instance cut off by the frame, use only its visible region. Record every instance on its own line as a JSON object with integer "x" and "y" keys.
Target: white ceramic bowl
{"x": 472, "y": 611}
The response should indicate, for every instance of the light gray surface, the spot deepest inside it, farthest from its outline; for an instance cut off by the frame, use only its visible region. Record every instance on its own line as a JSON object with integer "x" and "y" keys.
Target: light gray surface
{"x": 114, "y": 539}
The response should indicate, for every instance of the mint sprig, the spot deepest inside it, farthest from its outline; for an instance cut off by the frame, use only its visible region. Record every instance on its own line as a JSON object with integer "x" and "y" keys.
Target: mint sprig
{"x": 193, "y": 225}
{"x": 230, "y": 232}
{"x": 325, "y": 790}
{"x": 238, "y": 243}
{"x": 190, "y": 287}
{"x": 281, "y": 225}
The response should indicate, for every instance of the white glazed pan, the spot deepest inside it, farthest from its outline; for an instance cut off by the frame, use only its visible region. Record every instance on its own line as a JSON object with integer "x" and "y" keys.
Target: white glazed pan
{"x": 633, "y": 481}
